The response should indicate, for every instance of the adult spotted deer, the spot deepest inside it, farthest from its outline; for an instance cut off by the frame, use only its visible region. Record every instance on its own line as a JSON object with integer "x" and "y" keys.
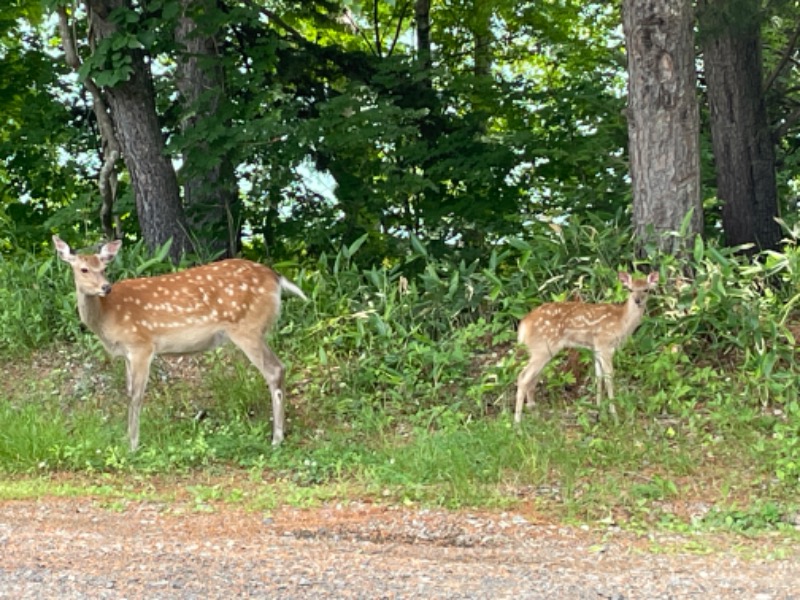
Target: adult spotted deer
{"x": 190, "y": 311}
{"x": 602, "y": 328}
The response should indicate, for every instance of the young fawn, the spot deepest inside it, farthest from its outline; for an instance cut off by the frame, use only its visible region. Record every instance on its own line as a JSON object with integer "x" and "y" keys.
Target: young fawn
{"x": 191, "y": 311}
{"x": 602, "y": 328}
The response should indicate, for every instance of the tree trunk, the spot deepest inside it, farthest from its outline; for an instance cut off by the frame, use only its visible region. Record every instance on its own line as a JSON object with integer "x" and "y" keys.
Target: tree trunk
{"x": 209, "y": 181}
{"x": 481, "y": 28}
{"x": 422, "y": 19}
{"x": 744, "y": 154}
{"x": 133, "y": 110}
{"x": 480, "y": 24}
{"x": 663, "y": 121}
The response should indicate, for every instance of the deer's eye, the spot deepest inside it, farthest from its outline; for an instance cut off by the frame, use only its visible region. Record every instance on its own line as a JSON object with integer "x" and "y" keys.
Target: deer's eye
{"x": 84, "y": 270}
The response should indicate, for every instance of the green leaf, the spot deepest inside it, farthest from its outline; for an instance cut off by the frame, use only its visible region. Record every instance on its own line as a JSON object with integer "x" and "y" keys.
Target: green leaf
{"x": 44, "y": 267}
{"x": 417, "y": 245}
{"x": 171, "y": 10}
{"x": 519, "y": 244}
{"x": 376, "y": 278}
{"x": 717, "y": 257}
{"x": 698, "y": 249}
{"x": 159, "y": 258}
{"x": 353, "y": 248}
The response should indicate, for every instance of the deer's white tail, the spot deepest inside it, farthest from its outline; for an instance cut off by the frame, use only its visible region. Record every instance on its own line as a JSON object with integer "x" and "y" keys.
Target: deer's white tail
{"x": 522, "y": 332}
{"x": 291, "y": 288}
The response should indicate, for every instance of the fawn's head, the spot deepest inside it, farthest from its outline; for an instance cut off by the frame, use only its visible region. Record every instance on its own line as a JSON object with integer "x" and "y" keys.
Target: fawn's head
{"x": 639, "y": 288}
{"x": 89, "y": 269}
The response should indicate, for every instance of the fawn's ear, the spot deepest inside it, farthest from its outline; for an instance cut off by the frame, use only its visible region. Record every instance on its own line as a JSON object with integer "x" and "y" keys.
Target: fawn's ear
{"x": 109, "y": 250}
{"x": 652, "y": 279}
{"x": 62, "y": 249}
{"x": 625, "y": 278}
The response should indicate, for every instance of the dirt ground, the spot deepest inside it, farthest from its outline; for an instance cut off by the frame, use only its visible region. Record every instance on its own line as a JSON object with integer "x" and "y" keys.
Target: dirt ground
{"x": 85, "y": 548}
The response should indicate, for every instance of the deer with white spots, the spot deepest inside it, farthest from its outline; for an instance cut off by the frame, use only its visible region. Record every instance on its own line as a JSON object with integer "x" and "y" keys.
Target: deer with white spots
{"x": 602, "y": 328}
{"x": 191, "y": 311}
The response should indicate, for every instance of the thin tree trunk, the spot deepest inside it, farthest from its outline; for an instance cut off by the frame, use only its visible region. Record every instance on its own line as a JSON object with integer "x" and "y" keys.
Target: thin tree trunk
{"x": 422, "y": 19}
{"x": 663, "y": 121}
{"x": 210, "y": 190}
{"x": 480, "y": 24}
{"x": 133, "y": 110}
{"x": 110, "y": 150}
{"x": 744, "y": 155}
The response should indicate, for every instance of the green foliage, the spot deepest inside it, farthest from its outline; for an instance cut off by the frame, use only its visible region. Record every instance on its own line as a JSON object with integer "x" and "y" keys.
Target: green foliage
{"x": 451, "y": 204}
{"x": 762, "y": 516}
{"x": 335, "y": 131}
{"x": 42, "y": 137}
{"x": 401, "y": 377}
{"x": 36, "y": 304}
{"x": 336, "y": 128}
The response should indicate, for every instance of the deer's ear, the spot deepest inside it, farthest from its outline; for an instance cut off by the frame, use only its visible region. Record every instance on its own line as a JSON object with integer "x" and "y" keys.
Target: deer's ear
{"x": 652, "y": 279}
{"x": 625, "y": 278}
{"x": 109, "y": 250}
{"x": 62, "y": 249}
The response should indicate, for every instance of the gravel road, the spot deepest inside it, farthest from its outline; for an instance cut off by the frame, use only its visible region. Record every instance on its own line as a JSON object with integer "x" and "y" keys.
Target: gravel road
{"x": 81, "y": 548}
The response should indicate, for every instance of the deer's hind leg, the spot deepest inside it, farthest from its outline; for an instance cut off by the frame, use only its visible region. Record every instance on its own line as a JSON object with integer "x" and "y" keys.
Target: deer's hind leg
{"x": 528, "y": 378}
{"x": 272, "y": 369}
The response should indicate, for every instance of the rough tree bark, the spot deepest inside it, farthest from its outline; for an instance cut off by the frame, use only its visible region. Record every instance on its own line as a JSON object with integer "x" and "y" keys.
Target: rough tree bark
{"x": 210, "y": 190}
{"x": 744, "y": 154}
{"x": 663, "y": 121}
{"x": 132, "y": 104}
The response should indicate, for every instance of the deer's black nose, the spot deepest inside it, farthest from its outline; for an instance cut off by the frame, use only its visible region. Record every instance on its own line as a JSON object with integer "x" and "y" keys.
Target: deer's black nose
{"x": 106, "y": 289}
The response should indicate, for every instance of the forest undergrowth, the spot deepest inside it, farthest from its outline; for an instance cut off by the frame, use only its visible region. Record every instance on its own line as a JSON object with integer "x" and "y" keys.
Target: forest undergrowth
{"x": 400, "y": 385}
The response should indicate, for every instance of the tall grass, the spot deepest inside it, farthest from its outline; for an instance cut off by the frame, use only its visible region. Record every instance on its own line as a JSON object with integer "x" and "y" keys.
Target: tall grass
{"x": 400, "y": 379}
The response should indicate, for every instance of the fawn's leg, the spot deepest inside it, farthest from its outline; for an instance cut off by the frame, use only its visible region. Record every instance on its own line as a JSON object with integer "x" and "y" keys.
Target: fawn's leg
{"x": 526, "y": 382}
{"x": 271, "y": 369}
{"x": 604, "y": 368}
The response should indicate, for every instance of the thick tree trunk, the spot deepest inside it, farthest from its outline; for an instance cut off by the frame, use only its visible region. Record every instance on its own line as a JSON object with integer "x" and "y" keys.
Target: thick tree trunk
{"x": 209, "y": 181}
{"x": 744, "y": 154}
{"x": 663, "y": 121}
{"x": 132, "y": 104}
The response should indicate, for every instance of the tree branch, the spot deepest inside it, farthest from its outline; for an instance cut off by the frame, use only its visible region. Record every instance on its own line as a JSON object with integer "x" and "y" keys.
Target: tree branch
{"x": 349, "y": 16}
{"x": 107, "y": 177}
{"x": 788, "y": 122}
{"x": 785, "y": 59}
{"x": 273, "y": 16}
{"x": 399, "y": 27}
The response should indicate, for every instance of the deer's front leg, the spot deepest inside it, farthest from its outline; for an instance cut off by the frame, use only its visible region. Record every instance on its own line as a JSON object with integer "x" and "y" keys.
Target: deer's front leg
{"x": 138, "y": 371}
{"x": 604, "y": 368}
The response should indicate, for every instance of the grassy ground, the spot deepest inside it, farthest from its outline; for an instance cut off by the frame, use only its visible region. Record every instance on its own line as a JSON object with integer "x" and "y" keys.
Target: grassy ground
{"x": 400, "y": 384}
{"x": 206, "y": 429}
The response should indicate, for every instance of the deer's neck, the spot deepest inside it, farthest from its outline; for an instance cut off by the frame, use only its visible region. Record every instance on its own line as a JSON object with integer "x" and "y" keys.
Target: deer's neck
{"x": 90, "y": 309}
{"x": 632, "y": 314}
